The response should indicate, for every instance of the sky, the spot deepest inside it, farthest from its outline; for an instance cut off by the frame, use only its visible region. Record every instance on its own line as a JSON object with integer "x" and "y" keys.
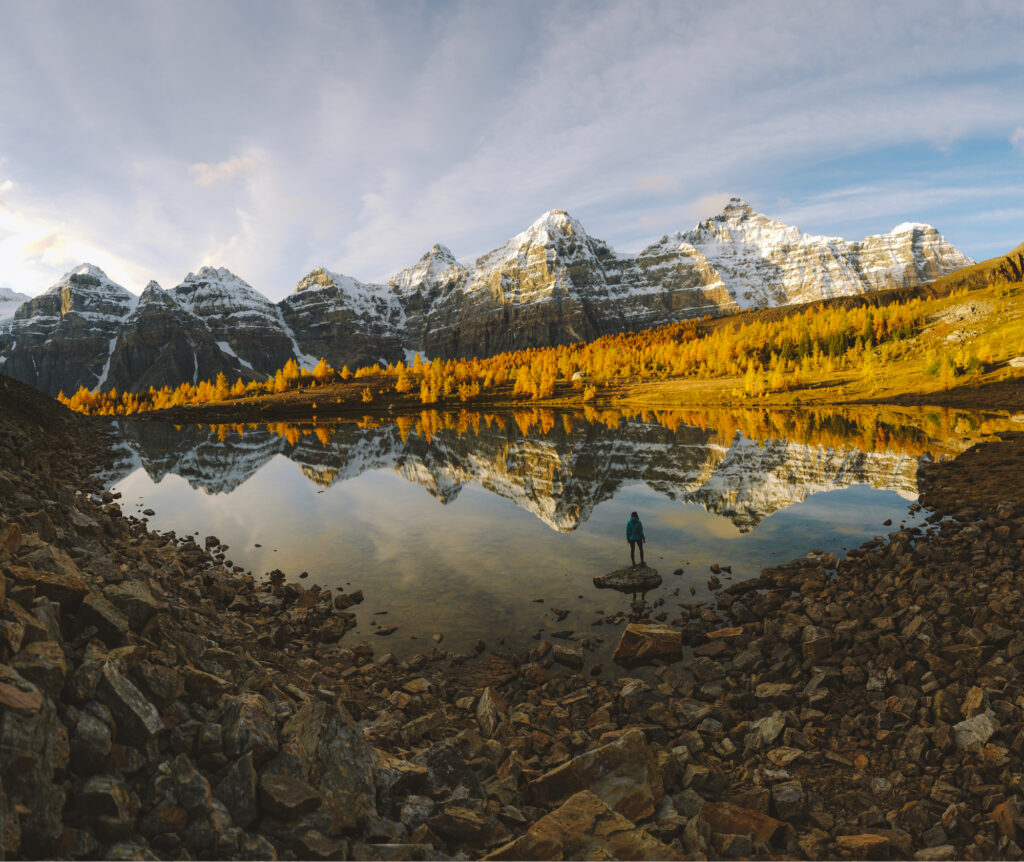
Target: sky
{"x": 152, "y": 138}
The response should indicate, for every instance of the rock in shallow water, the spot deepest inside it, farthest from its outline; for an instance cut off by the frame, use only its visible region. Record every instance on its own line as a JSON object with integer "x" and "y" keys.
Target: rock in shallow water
{"x": 629, "y": 579}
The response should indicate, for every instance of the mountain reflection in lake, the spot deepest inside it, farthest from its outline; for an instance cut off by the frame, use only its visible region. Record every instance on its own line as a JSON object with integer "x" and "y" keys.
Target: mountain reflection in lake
{"x": 527, "y": 506}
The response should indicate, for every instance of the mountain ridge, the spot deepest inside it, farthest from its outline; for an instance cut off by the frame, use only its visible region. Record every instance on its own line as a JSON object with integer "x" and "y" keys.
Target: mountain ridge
{"x": 550, "y": 284}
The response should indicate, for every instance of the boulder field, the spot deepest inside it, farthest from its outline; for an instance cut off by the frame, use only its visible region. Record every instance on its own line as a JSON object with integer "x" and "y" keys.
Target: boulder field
{"x": 158, "y": 702}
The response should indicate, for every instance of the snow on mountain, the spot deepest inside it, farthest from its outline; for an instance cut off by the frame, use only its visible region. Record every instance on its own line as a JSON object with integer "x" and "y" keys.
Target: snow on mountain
{"x": 437, "y": 267}
{"x": 764, "y": 262}
{"x": 64, "y": 338}
{"x": 87, "y": 290}
{"x": 218, "y": 292}
{"x": 550, "y": 284}
{"x": 241, "y": 316}
{"x": 10, "y": 302}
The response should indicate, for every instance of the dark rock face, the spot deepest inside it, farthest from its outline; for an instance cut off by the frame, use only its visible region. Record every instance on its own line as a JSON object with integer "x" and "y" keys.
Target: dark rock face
{"x": 238, "y": 316}
{"x": 551, "y": 284}
{"x": 344, "y": 321}
{"x": 62, "y": 339}
{"x": 554, "y": 284}
{"x": 162, "y": 344}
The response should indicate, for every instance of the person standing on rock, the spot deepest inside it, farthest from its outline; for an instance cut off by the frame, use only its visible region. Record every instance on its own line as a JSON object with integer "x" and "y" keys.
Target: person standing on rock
{"x": 635, "y": 537}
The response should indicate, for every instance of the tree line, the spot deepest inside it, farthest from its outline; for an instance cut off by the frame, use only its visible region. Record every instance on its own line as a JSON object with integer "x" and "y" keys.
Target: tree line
{"x": 767, "y": 356}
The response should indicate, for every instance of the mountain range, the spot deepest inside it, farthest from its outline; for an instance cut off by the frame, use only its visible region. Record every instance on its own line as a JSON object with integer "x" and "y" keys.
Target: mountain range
{"x": 550, "y": 284}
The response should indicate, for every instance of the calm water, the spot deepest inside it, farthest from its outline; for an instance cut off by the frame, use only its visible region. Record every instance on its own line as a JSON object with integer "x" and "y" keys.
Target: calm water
{"x": 457, "y": 525}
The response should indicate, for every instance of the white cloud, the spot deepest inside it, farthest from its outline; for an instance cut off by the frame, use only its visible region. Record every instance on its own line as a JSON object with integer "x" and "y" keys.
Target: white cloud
{"x": 359, "y": 135}
{"x": 206, "y": 174}
{"x": 1017, "y": 139}
{"x": 36, "y": 251}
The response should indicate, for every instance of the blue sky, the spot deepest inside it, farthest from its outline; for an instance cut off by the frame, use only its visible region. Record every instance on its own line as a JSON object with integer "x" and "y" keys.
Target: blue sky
{"x": 151, "y": 138}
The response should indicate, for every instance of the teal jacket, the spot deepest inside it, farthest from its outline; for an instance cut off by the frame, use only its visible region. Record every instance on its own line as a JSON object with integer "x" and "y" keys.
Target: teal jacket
{"x": 635, "y": 530}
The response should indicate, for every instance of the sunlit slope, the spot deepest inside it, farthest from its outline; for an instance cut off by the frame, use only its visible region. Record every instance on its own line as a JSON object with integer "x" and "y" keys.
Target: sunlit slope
{"x": 1006, "y": 269}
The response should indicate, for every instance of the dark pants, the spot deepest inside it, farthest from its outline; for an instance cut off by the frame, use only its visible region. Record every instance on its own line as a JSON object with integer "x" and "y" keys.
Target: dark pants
{"x": 633, "y": 543}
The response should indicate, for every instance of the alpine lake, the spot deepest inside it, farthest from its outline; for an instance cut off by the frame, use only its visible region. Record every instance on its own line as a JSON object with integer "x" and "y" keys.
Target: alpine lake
{"x": 491, "y": 527}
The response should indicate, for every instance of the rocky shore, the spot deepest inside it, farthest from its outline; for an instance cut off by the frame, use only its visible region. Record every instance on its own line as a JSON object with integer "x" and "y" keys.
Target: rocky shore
{"x": 158, "y": 702}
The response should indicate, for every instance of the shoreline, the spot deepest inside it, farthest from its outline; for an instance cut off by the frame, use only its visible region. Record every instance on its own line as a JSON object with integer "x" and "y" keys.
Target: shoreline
{"x": 870, "y": 714}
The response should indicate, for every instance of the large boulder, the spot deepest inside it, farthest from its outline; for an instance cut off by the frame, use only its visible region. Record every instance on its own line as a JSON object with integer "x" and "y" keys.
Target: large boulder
{"x": 642, "y": 642}
{"x": 584, "y": 827}
{"x": 622, "y": 773}
{"x": 30, "y": 738}
{"x": 323, "y": 747}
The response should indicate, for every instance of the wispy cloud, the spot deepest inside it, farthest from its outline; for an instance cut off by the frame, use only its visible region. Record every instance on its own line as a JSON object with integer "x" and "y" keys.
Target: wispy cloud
{"x": 272, "y": 137}
{"x": 205, "y": 174}
{"x": 1017, "y": 139}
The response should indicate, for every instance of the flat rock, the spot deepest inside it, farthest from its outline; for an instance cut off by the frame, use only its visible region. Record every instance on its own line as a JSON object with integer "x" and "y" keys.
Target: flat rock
{"x": 972, "y": 733}
{"x": 249, "y": 725}
{"x": 641, "y": 642}
{"x": 629, "y": 579}
{"x": 135, "y": 600}
{"x": 67, "y": 587}
{"x": 584, "y": 827}
{"x": 286, "y": 796}
{"x": 490, "y": 710}
{"x": 395, "y": 776}
{"x": 238, "y": 791}
{"x": 97, "y": 610}
{"x": 623, "y": 773}
{"x": 864, "y": 846}
{"x": 728, "y": 819}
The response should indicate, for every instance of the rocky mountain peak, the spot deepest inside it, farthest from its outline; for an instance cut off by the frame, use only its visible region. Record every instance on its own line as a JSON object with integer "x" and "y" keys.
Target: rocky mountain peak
{"x": 218, "y": 289}
{"x": 550, "y": 227}
{"x": 314, "y": 280}
{"x": 89, "y": 278}
{"x": 911, "y": 227}
{"x": 736, "y": 208}
{"x": 437, "y": 266}
{"x": 321, "y": 279}
{"x": 154, "y": 294}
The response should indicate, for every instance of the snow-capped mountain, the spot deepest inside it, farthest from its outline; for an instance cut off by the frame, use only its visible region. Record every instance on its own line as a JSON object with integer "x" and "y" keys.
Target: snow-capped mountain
{"x": 550, "y": 284}
{"x": 68, "y": 334}
{"x": 10, "y": 302}
{"x": 560, "y": 477}
{"x": 764, "y": 262}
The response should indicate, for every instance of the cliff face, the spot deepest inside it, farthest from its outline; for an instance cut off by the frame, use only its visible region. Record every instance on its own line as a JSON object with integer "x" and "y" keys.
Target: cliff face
{"x": 550, "y": 284}
{"x": 88, "y": 331}
{"x": 162, "y": 344}
{"x": 764, "y": 262}
{"x": 343, "y": 320}
{"x": 65, "y": 337}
